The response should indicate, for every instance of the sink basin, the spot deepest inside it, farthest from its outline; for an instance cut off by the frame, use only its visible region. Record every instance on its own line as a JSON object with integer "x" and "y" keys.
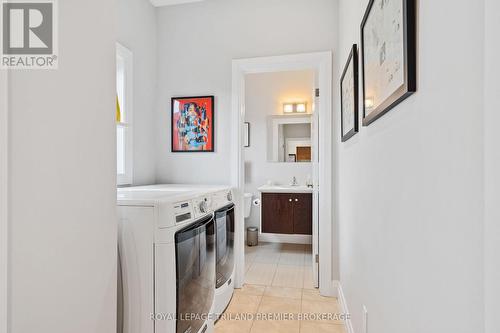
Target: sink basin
{"x": 285, "y": 189}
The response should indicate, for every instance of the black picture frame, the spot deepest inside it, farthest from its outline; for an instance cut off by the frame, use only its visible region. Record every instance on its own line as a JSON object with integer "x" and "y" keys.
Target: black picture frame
{"x": 410, "y": 66}
{"x": 353, "y": 58}
{"x": 212, "y": 123}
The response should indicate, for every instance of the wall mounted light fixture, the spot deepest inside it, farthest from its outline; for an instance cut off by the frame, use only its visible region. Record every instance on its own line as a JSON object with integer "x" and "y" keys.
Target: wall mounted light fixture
{"x": 287, "y": 108}
{"x": 301, "y": 107}
{"x": 295, "y": 107}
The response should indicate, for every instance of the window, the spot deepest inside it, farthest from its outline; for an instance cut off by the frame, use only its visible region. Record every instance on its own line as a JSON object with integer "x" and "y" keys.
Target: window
{"x": 124, "y": 116}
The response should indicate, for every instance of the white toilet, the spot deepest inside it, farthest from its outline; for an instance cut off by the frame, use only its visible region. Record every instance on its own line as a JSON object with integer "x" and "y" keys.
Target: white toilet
{"x": 247, "y": 204}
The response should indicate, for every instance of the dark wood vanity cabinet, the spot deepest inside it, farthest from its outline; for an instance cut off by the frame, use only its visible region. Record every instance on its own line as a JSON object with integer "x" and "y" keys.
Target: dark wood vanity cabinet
{"x": 287, "y": 213}
{"x": 302, "y": 214}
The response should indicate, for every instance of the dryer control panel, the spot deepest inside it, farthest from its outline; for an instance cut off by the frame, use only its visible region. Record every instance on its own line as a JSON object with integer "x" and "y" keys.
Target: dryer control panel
{"x": 222, "y": 198}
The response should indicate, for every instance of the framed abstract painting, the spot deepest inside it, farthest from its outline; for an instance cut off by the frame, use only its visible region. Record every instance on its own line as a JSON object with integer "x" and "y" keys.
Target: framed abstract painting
{"x": 193, "y": 124}
{"x": 349, "y": 97}
{"x": 388, "y": 55}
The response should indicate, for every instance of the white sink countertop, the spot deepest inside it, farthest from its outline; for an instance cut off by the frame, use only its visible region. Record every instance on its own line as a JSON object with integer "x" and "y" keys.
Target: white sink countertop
{"x": 285, "y": 189}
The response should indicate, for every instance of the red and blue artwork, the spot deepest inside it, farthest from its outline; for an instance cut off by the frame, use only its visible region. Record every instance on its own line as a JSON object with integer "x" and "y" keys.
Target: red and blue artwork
{"x": 193, "y": 124}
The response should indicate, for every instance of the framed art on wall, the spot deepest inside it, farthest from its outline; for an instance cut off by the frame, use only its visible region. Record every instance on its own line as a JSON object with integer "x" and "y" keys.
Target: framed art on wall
{"x": 388, "y": 56}
{"x": 193, "y": 124}
{"x": 349, "y": 97}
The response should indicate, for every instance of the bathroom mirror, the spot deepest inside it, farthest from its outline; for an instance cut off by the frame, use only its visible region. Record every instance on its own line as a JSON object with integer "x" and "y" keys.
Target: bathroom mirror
{"x": 289, "y": 139}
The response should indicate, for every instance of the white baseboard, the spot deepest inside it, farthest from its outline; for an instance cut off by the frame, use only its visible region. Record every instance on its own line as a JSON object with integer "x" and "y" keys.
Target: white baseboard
{"x": 344, "y": 308}
{"x": 284, "y": 238}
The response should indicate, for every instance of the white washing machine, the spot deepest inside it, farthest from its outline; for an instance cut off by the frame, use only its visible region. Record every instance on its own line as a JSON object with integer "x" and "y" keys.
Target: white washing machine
{"x": 219, "y": 199}
{"x": 167, "y": 257}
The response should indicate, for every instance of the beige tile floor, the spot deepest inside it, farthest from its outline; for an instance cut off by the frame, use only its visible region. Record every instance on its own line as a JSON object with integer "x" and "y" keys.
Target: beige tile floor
{"x": 279, "y": 280}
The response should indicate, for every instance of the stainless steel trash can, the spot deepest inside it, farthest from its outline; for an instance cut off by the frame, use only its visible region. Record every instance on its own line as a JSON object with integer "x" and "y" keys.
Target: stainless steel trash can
{"x": 252, "y": 236}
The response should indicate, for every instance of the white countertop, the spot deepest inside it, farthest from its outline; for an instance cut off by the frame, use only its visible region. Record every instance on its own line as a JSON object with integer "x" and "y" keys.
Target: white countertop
{"x": 285, "y": 189}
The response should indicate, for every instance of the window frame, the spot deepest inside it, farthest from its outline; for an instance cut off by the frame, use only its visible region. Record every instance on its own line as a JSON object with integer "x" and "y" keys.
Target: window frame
{"x": 128, "y": 111}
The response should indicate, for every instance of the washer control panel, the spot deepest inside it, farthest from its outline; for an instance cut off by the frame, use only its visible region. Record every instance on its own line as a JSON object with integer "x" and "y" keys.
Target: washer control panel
{"x": 202, "y": 205}
{"x": 182, "y": 211}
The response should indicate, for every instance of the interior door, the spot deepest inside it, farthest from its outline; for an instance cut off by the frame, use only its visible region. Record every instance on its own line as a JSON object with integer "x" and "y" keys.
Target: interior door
{"x": 315, "y": 197}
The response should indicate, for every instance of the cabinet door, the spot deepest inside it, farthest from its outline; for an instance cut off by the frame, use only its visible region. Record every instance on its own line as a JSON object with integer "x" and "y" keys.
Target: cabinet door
{"x": 277, "y": 213}
{"x": 302, "y": 213}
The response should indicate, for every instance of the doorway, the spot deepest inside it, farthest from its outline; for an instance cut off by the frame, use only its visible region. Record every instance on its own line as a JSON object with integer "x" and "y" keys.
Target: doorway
{"x": 321, "y": 64}
{"x": 279, "y": 111}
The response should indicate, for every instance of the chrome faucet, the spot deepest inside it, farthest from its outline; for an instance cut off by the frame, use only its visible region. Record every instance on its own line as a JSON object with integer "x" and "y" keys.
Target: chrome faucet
{"x": 294, "y": 181}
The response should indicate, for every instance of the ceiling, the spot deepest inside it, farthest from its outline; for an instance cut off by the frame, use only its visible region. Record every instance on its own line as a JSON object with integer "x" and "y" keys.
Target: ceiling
{"x": 160, "y": 3}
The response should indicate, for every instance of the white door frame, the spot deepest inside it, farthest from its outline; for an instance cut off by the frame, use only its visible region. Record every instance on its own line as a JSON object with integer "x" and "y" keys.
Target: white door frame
{"x": 321, "y": 62}
{"x": 4, "y": 191}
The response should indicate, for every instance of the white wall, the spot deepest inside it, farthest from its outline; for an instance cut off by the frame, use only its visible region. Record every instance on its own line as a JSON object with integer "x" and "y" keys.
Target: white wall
{"x": 63, "y": 179}
{"x": 492, "y": 166}
{"x": 196, "y": 45}
{"x": 264, "y": 96}
{"x": 4, "y": 175}
{"x": 137, "y": 32}
{"x": 411, "y": 194}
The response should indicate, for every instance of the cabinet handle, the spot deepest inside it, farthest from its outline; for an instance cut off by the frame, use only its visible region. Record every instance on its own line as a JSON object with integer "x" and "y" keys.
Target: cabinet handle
{"x": 296, "y": 200}
{"x": 290, "y": 200}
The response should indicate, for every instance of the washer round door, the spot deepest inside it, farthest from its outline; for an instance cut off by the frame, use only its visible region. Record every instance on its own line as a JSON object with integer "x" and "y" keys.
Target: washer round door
{"x": 195, "y": 264}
